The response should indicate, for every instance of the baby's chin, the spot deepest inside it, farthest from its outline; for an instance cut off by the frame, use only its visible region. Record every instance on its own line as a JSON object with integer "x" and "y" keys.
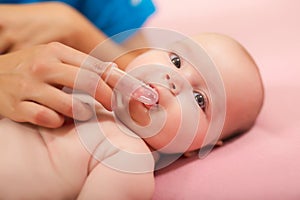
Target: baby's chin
{"x": 139, "y": 112}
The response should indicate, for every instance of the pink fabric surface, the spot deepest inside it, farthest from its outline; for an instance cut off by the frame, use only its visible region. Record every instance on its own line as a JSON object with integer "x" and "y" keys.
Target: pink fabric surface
{"x": 265, "y": 162}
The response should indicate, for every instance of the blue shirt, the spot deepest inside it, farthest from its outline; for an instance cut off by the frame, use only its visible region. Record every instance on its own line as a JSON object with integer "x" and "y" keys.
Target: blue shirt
{"x": 110, "y": 16}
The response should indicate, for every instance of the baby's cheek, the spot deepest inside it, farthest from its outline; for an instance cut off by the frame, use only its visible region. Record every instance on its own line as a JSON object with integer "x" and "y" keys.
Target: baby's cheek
{"x": 200, "y": 134}
{"x": 168, "y": 132}
{"x": 161, "y": 139}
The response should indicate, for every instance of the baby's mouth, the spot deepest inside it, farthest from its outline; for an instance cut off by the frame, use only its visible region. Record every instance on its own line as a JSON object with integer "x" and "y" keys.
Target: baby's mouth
{"x": 157, "y": 102}
{"x": 145, "y": 94}
{"x": 140, "y": 112}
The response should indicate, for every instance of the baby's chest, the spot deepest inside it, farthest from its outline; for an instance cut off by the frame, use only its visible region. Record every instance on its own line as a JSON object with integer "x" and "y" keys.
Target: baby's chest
{"x": 115, "y": 146}
{"x": 30, "y": 167}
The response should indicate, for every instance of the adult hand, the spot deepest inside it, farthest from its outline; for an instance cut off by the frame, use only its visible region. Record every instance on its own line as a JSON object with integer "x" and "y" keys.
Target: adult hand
{"x": 31, "y": 81}
{"x": 24, "y": 25}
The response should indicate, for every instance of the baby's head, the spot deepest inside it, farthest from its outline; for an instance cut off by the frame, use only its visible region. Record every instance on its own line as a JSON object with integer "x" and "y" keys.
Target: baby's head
{"x": 242, "y": 84}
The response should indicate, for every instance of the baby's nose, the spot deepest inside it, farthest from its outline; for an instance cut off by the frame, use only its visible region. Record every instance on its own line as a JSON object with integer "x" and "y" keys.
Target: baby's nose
{"x": 175, "y": 83}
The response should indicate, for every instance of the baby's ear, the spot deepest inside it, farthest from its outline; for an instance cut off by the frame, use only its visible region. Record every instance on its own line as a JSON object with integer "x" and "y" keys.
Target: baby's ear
{"x": 190, "y": 153}
{"x": 195, "y": 152}
{"x": 156, "y": 155}
{"x": 219, "y": 143}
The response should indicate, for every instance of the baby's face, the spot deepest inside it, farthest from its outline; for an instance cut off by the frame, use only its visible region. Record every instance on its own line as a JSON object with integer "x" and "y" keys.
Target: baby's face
{"x": 169, "y": 100}
{"x": 241, "y": 81}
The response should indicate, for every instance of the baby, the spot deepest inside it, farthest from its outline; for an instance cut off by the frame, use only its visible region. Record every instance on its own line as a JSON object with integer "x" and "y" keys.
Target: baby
{"x": 72, "y": 162}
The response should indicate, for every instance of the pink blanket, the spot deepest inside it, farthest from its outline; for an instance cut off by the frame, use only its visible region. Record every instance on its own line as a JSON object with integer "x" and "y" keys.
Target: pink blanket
{"x": 265, "y": 162}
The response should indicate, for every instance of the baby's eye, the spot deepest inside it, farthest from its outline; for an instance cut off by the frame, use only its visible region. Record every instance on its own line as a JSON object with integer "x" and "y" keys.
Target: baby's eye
{"x": 200, "y": 99}
{"x": 175, "y": 60}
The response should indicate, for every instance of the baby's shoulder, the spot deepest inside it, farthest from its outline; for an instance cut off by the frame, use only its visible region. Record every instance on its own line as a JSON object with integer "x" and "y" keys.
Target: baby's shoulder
{"x": 119, "y": 135}
{"x": 117, "y": 146}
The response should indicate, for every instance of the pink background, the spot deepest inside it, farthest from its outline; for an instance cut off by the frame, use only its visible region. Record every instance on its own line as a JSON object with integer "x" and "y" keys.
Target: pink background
{"x": 265, "y": 162}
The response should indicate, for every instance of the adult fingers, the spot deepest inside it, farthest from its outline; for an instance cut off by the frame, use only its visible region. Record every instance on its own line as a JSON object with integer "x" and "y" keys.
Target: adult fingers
{"x": 61, "y": 102}
{"x": 95, "y": 86}
{"x": 83, "y": 80}
{"x": 34, "y": 113}
{"x": 5, "y": 43}
{"x": 68, "y": 55}
{"x": 26, "y": 40}
{"x": 20, "y": 40}
{"x": 76, "y": 58}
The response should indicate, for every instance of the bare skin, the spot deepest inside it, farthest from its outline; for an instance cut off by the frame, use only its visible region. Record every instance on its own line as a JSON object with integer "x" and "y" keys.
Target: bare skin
{"x": 54, "y": 163}
{"x": 39, "y": 30}
{"x": 58, "y": 158}
{"x": 30, "y": 76}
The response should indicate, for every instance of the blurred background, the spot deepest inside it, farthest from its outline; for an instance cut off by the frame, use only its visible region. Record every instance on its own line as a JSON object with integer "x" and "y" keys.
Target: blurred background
{"x": 266, "y": 165}
{"x": 268, "y": 28}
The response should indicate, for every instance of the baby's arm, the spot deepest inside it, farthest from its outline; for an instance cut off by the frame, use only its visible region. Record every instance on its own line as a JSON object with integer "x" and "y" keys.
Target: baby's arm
{"x": 107, "y": 183}
{"x": 122, "y": 166}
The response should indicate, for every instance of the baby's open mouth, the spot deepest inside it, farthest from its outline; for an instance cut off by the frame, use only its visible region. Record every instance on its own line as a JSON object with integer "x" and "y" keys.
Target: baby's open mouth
{"x": 148, "y": 106}
{"x": 145, "y": 94}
